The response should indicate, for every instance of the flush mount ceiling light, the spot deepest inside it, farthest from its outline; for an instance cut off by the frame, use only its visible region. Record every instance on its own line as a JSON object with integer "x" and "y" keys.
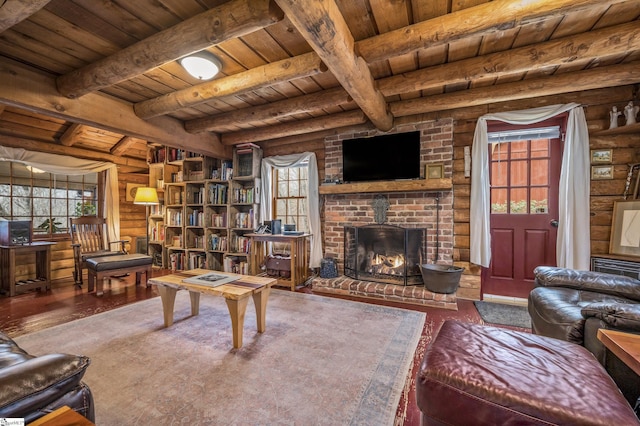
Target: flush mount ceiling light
{"x": 202, "y": 65}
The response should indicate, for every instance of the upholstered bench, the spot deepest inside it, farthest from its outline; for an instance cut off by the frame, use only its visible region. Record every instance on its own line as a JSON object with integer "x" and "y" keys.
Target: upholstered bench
{"x": 105, "y": 266}
{"x": 474, "y": 374}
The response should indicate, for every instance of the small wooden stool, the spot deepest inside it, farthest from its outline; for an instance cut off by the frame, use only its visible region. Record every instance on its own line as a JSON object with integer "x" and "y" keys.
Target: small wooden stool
{"x": 103, "y": 267}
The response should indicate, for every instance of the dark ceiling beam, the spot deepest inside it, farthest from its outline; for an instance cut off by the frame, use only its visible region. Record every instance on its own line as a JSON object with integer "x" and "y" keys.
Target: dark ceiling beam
{"x": 324, "y": 28}
{"x": 24, "y": 87}
{"x": 230, "y": 20}
{"x": 15, "y": 11}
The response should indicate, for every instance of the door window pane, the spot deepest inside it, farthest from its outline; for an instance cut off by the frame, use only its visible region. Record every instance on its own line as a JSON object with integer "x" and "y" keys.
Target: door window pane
{"x": 539, "y": 200}
{"x": 498, "y": 200}
{"x": 518, "y": 201}
{"x": 540, "y": 172}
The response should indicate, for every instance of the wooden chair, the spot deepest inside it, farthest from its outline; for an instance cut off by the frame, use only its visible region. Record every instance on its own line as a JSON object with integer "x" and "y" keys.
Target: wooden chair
{"x": 89, "y": 238}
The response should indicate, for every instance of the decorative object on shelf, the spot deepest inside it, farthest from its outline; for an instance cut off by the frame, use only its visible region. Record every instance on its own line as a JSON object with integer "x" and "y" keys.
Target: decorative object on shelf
{"x": 434, "y": 171}
{"x": 601, "y": 156}
{"x": 613, "y": 117}
{"x": 201, "y": 65}
{"x": 601, "y": 172}
{"x": 131, "y": 190}
{"x": 630, "y": 112}
{"x": 380, "y": 206}
{"x": 632, "y": 168}
{"x": 146, "y": 196}
{"x": 625, "y": 228}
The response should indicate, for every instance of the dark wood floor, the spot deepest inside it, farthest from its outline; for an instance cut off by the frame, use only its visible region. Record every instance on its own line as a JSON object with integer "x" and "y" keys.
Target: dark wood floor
{"x": 33, "y": 311}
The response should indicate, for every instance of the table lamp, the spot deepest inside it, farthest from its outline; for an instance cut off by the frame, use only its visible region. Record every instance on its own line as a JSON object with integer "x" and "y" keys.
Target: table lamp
{"x": 146, "y": 197}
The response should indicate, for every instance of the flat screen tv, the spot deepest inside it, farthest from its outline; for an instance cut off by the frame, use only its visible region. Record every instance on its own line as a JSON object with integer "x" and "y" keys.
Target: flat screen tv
{"x": 387, "y": 157}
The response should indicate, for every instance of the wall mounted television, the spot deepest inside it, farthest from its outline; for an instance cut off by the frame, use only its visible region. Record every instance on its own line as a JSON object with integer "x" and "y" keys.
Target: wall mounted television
{"x": 386, "y": 157}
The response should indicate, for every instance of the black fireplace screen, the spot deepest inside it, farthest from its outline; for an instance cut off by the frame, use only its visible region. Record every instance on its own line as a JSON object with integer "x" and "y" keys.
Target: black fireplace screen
{"x": 384, "y": 253}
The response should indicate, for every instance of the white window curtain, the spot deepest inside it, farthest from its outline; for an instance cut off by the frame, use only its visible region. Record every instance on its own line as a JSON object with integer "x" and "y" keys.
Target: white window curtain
{"x": 313, "y": 203}
{"x": 63, "y": 165}
{"x": 574, "y": 239}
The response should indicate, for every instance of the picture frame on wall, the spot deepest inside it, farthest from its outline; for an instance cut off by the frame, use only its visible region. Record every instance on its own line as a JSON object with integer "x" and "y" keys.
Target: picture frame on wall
{"x": 625, "y": 228}
{"x": 131, "y": 190}
{"x": 601, "y": 156}
{"x": 434, "y": 171}
{"x": 601, "y": 172}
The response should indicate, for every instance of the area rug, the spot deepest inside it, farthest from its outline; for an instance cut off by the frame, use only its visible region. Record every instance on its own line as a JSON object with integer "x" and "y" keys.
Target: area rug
{"x": 503, "y": 314}
{"x": 321, "y": 361}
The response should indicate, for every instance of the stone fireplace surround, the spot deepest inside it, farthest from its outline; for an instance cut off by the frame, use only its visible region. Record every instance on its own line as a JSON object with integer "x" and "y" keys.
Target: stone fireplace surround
{"x": 410, "y": 209}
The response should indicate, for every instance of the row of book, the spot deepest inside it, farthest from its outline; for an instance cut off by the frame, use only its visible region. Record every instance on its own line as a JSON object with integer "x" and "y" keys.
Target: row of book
{"x": 176, "y": 261}
{"x": 157, "y": 232}
{"x": 219, "y": 220}
{"x": 196, "y": 218}
{"x": 218, "y": 242}
{"x": 225, "y": 172}
{"x": 240, "y": 244}
{"x": 236, "y": 264}
{"x": 196, "y": 242}
{"x": 243, "y": 219}
{"x": 196, "y": 197}
{"x": 197, "y": 260}
{"x": 243, "y": 195}
{"x": 174, "y": 217}
{"x": 218, "y": 194}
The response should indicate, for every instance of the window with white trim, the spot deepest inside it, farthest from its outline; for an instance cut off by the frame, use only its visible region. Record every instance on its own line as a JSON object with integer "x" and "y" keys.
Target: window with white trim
{"x": 290, "y": 200}
{"x": 47, "y": 200}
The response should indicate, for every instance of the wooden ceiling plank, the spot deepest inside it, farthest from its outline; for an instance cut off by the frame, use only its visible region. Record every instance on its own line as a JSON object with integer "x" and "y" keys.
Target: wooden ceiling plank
{"x": 14, "y": 11}
{"x": 230, "y": 20}
{"x": 24, "y": 87}
{"x": 291, "y": 68}
{"x": 276, "y": 110}
{"x": 119, "y": 17}
{"x": 295, "y": 128}
{"x": 494, "y": 16}
{"x": 123, "y": 145}
{"x": 73, "y": 134}
{"x": 610, "y": 76}
{"x": 50, "y": 148}
{"x": 586, "y": 46}
{"x": 325, "y": 29}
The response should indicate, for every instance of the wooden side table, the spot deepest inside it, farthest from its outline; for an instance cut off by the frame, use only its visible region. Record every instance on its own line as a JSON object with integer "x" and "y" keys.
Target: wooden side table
{"x": 42, "y": 279}
{"x": 625, "y": 346}
{"x": 63, "y": 416}
{"x": 299, "y": 256}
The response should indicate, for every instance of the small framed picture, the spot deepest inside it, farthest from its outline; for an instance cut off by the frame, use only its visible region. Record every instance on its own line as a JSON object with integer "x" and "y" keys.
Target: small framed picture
{"x": 131, "y": 190}
{"x": 601, "y": 172}
{"x": 625, "y": 228}
{"x": 601, "y": 156}
{"x": 434, "y": 171}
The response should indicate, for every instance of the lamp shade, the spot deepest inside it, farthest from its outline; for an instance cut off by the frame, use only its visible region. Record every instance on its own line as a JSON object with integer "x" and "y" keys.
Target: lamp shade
{"x": 202, "y": 65}
{"x": 146, "y": 196}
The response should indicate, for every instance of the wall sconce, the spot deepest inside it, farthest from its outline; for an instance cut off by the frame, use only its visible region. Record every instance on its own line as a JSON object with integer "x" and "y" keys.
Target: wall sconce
{"x": 201, "y": 65}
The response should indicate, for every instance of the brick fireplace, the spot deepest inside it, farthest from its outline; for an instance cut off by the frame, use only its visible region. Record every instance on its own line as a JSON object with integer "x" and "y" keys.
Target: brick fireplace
{"x": 431, "y": 211}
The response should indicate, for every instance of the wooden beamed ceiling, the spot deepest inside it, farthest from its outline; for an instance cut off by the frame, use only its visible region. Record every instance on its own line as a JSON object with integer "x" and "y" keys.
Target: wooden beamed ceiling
{"x": 93, "y": 79}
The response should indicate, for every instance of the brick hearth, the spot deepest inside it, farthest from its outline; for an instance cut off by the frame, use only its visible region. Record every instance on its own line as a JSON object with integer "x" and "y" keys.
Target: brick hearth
{"x": 416, "y": 294}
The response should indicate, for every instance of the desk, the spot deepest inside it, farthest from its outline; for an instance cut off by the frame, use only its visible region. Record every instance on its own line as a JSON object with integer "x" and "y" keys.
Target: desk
{"x": 625, "y": 346}
{"x": 299, "y": 256}
{"x": 8, "y": 254}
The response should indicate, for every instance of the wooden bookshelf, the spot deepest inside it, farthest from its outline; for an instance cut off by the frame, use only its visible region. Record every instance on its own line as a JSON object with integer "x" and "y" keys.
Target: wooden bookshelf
{"x": 388, "y": 186}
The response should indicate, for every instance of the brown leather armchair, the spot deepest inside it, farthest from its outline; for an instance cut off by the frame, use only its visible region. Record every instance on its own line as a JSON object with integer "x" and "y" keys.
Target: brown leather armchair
{"x": 572, "y": 305}
{"x": 31, "y": 387}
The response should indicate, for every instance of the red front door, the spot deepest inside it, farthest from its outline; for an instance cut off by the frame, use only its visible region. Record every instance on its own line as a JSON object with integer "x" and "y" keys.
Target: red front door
{"x": 524, "y": 178}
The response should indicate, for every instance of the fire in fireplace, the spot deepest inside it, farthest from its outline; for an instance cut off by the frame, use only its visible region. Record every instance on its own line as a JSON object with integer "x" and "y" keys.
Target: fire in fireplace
{"x": 384, "y": 253}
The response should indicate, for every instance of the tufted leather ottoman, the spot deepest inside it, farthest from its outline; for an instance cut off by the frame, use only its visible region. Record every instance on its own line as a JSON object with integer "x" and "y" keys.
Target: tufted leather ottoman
{"x": 481, "y": 375}
{"x": 103, "y": 267}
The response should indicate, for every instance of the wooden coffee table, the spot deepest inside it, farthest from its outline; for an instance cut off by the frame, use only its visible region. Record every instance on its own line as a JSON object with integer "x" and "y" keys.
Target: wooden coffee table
{"x": 235, "y": 293}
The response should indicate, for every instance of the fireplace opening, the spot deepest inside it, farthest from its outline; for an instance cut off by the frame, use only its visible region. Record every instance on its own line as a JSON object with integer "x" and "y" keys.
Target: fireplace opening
{"x": 384, "y": 253}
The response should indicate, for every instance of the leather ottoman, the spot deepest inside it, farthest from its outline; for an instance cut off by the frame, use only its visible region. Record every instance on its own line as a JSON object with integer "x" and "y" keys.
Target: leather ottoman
{"x": 103, "y": 267}
{"x": 481, "y": 375}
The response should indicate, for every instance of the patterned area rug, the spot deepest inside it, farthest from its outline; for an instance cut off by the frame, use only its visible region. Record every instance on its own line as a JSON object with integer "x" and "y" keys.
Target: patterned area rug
{"x": 320, "y": 361}
{"x": 503, "y": 314}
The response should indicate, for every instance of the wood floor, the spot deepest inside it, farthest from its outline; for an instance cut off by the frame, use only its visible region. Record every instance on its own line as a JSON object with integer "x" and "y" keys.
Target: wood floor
{"x": 33, "y": 311}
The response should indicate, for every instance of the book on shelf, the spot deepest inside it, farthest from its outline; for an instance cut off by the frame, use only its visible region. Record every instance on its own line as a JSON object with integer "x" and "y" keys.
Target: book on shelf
{"x": 176, "y": 261}
{"x": 197, "y": 260}
{"x": 196, "y": 218}
{"x": 157, "y": 232}
{"x": 236, "y": 264}
{"x": 218, "y": 242}
{"x": 217, "y": 193}
{"x": 243, "y": 195}
{"x": 244, "y": 219}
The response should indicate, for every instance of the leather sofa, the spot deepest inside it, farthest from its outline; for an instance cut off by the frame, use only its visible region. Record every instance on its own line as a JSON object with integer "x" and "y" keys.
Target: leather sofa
{"x": 572, "y": 305}
{"x": 31, "y": 387}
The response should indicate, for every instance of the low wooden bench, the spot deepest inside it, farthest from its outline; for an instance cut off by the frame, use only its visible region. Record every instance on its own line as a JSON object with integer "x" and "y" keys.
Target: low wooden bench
{"x": 106, "y": 266}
